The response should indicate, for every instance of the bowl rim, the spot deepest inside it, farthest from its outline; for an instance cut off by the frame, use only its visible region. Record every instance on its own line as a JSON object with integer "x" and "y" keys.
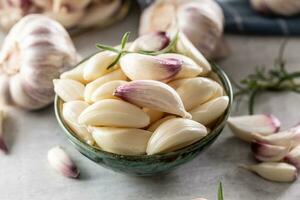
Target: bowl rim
{"x": 77, "y": 141}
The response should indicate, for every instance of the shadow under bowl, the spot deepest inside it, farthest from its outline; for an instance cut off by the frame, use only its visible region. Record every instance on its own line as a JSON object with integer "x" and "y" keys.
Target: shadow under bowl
{"x": 148, "y": 165}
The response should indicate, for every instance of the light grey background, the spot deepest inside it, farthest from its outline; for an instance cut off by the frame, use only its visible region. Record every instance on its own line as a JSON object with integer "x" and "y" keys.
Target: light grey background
{"x": 25, "y": 173}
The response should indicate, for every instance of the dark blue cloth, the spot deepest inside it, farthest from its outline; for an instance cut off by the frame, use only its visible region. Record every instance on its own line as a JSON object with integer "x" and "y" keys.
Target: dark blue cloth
{"x": 241, "y": 18}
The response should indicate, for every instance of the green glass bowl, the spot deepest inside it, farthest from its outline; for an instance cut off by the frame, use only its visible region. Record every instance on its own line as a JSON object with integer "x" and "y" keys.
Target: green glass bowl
{"x": 148, "y": 165}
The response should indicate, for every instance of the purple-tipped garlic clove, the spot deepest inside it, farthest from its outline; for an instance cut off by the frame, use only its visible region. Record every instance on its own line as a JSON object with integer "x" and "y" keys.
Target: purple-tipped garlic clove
{"x": 287, "y": 138}
{"x": 244, "y": 127}
{"x": 153, "y": 95}
{"x": 267, "y": 152}
{"x": 293, "y": 157}
{"x": 143, "y": 67}
{"x": 277, "y": 172}
{"x": 151, "y": 42}
{"x": 62, "y": 162}
{"x": 3, "y": 146}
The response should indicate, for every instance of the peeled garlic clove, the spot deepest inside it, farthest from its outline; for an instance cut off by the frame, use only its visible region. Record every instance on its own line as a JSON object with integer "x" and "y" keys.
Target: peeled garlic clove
{"x": 115, "y": 113}
{"x": 153, "y": 114}
{"x": 106, "y": 90}
{"x": 3, "y": 146}
{"x": 189, "y": 67}
{"x": 75, "y": 74}
{"x": 176, "y": 83}
{"x": 62, "y": 163}
{"x": 143, "y": 67}
{"x": 196, "y": 91}
{"x": 68, "y": 90}
{"x": 278, "y": 172}
{"x": 156, "y": 124}
{"x": 267, "y": 152}
{"x": 154, "y": 95}
{"x": 155, "y": 41}
{"x": 185, "y": 47}
{"x": 93, "y": 86}
{"x": 210, "y": 111}
{"x": 288, "y": 138}
{"x": 174, "y": 134}
{"x": 243, "y": 127}
{"x": 293, "y": 157}
{"x": 97, "y": 65}
{"x": 123, "y": 141}
{"x": 71, "y": 111}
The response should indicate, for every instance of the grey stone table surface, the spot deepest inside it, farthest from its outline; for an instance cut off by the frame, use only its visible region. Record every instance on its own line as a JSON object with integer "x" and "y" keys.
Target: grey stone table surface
{"x": 25, "y": 173}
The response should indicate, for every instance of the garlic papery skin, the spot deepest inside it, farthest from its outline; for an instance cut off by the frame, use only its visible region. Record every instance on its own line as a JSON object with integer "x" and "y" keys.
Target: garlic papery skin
{"x": 267, "y": 152}
{"x": 36, "y": 51}
{"x": 280, "y": 7}
{"x": 244, "y": 127}
{"x": 288, "y": 138}
{"x": 210, "y": 111}
{"x": 199, "y": 90}
{"x": 156, "y": 124}
{"x": 68, "y": 90}
{"x": 189, "y": 68}
{"x": 175, "y": 134}
{"x": 153, "y": 95}
{"x": 123, "y": 141}
{"x": 144, "y": 67}
{"x": 185, "y": 47}
{"x": 106, "y": 90}
{"x": 150, "y": 42}
{"x": 293, "y": 157}
{"x": 98, "y": 64}
{"x": 61, "y": 162}
{"x": 71, "y": 111}
{"x": 75, "y": 74}
{"x": 202, "y": 22}
{"x": 94, "y": 85}
{"x": 3, "y": 146}
{"x": 114, "y": 113}
{"x": 153, "y": 114}
{"x": 277, "y": 172}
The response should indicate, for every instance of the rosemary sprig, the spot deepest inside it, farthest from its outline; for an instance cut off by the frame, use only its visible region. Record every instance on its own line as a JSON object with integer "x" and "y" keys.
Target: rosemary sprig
{"x": 220, "y": 192}
{"x": 122, "y": 51}
{"x": 277, "y": 79}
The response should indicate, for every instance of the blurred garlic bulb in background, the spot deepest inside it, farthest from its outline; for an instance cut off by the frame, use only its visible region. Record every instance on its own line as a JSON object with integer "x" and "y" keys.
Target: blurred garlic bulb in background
{"x": 36, "y": 51}
{"x": 70, "y": 13}
{"x": 201, "y": 21}
{"x": 280, "y": 7}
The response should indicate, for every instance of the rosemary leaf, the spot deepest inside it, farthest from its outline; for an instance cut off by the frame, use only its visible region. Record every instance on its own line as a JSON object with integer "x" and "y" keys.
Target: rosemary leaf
{"x": 107, "y": 48}
{"x": 124, "y": 40}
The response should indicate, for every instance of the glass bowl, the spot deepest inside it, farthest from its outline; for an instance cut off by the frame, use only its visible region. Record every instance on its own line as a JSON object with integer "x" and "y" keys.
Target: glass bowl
{"x": 148, "y": 165}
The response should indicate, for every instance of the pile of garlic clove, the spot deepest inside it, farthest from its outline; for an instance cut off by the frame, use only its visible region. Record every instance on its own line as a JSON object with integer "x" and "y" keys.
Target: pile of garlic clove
{"x": 277, "y": 151}
{"x": 146, "y": 103}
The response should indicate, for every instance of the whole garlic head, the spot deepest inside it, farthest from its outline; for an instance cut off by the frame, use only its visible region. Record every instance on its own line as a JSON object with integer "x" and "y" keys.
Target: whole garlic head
{"x": 36, "y": 51}
{"x": 201, "y": 21}
{"x": 280, "y": 7}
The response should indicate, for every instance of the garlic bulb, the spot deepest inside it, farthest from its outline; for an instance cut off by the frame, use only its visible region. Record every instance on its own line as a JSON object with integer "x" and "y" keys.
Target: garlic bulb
{"x": 201, "y": 21}
{"x": 70, "y": 13}
{"x": 36, "y": 51}
{"x": 281, "y": 7}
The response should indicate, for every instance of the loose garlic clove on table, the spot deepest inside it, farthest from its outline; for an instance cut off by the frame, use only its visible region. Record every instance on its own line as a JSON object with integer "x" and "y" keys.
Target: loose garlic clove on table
{"x": 267, "y": 152}
{"x": 61, "y": 162}
{"x": 293, "y": 157}
{"x": 244, "y": 127}
{"x": 278, "y": 172}
{"x": 154, "y": 95}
